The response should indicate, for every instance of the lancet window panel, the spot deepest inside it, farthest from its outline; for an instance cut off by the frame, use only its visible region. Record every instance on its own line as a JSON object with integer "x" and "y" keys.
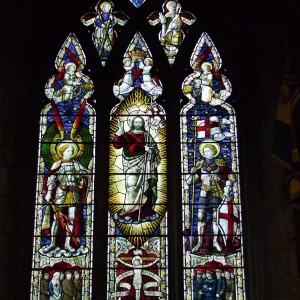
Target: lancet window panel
{"x": 64, "y": 205}
{"x": 211, "y": 200}
{"x": 137, "y": 219}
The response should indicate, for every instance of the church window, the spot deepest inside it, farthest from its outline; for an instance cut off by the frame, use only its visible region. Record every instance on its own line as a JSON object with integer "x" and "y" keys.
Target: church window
{"x": 137, "y": 234}
{"x": 211, "y": 206}
{"x": 63, "y": 232}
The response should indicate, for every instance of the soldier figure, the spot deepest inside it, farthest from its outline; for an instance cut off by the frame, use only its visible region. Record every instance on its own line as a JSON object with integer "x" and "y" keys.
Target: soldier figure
{"x": 209, "y": 172}
{"x": 209, "y": 286}
{"x": 198, "y": 283}
{"x": 230, "y": 291}
{"x": 44, "y": 288}
{"x": 68, "y": 287}
{"x": 221, "y": 285}
{"x": 78, "y": 285}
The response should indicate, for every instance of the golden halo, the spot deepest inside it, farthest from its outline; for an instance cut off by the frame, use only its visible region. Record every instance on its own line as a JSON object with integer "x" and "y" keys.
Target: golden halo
{"x": 211, "y": 142}
{"x": 134, "y": 114}
{"x": 104, "y": 3}
{"x": 61, "y": 147}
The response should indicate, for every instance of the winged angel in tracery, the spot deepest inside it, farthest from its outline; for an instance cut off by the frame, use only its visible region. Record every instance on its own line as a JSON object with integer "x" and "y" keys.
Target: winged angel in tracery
{"x": 63, "y": 229}
{"x": 173, "y": 23}
{"x": 137, "y": 202}
{"x": 212, "y": 212}
{"x": 107, "y": 24}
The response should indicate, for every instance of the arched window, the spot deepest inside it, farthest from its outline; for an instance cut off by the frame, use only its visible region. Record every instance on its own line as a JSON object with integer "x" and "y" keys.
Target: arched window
{"x": 120, "y": 180}
{"x": 213, "y": 248}
{"x": 63, "y": 249}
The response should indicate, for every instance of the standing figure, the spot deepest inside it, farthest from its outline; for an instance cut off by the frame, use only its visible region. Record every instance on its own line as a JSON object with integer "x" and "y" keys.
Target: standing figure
{"x": 140, "y": 161}
{"x": 44, "y": 287}
{"x": 149, "y": 85}
{"x": 230, "y": 291}
{"x": 55, "y": 288}
{"x": 221, "y": 285}
{"x": 104, "y": 29}
{"x": 78, "y": 285}
{"x": 209, "y": 286}
{"x": 171, "y": 35}
{"x": 68, "y": 287}
{"x": 65, "y": 184}
{"x": 197, "y": 286}
{"x": 209, "y": 172}
{"x": 107, "y": 24}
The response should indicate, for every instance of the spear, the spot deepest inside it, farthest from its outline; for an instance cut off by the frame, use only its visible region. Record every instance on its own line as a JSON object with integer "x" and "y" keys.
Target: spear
{"x": 146, "y": 140}
{"x": 106, "y": 33}
{"x": 193, "y": 139}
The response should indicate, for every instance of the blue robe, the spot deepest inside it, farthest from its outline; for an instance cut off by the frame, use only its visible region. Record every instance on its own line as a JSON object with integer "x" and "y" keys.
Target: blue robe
{"x": 221, "y": 287}
{"x": 197, "y": 287}
{"x": 210, "y": 289}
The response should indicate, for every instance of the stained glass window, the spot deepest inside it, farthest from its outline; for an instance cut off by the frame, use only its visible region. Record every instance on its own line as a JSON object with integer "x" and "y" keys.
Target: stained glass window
{"x": 173, "y": 24}
{"x": 137, "y": 233}
{"x": 63, "y": 242}
{"x": 212, "y": 222}
{"x": 106, "y": 24}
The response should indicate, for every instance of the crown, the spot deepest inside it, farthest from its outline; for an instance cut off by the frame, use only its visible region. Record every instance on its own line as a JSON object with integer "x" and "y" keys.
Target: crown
{"x": 137, "y": 54}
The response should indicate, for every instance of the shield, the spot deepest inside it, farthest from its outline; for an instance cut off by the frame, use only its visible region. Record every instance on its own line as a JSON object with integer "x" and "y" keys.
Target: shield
{"x": 228, "y": 220}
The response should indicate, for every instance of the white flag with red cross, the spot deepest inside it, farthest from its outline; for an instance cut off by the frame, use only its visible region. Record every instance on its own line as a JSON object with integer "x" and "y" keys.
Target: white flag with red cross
{"x": 157, "y": 114}
{"x": 212, "y": 127}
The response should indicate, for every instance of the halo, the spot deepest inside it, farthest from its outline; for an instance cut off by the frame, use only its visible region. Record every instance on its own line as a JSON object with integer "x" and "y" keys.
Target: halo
{"x": 60, "y": 146}
{"x": 206, "y": 63}
{"x": 103, "y": 3}
{"x": 70, "y": 64}
{"x": 178, "y": 5}
{"x": 134, "y": 114}
{"x": 209, "y": 142}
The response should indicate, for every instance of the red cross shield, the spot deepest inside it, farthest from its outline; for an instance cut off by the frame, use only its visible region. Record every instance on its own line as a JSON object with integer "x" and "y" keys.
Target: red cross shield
{"x": 228, "y": 221}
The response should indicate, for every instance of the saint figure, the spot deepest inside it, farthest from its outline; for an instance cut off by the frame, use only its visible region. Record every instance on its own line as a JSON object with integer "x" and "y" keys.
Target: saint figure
{"x": 65, "y": 185}
{"x": 210, "y": 172}
{"x": 171, "y": 35}
{"x": 70, "y": 81}
{"x": 140, "y": 161}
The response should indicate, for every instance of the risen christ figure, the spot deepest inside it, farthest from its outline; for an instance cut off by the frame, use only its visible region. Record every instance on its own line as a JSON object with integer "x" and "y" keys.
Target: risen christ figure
{"x": 140, "y": 161}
